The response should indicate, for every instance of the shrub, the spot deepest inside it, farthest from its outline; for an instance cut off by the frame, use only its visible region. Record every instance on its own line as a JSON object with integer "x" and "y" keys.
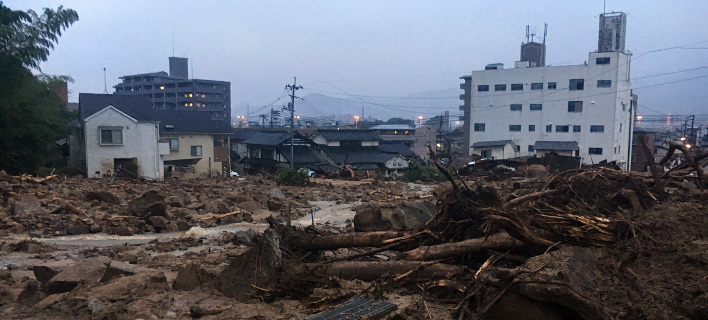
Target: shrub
{"x": 423, "y": 173}
{"x": 291, "y": 177}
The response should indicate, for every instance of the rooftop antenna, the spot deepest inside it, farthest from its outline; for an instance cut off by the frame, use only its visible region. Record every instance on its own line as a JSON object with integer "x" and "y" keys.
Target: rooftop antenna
{"x": 105, "y": 84}
{"x": 604, "y": 6}
{"x": 527, "y": 33}
{"x": 545, "y": 31}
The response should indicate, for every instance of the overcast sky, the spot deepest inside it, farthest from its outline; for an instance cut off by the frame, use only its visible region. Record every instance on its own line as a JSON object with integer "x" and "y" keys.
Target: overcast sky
{"x": 373, "y": 48}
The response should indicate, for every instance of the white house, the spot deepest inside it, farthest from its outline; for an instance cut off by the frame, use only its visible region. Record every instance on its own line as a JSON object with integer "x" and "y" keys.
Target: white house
{"x": 589, "y": 105}
{"x": 500, "y": 149}
{"x": 119, "y": 131}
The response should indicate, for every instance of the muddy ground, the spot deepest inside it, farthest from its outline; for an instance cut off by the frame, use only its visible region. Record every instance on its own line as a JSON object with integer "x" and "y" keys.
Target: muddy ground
{"x": 88, "y": 249}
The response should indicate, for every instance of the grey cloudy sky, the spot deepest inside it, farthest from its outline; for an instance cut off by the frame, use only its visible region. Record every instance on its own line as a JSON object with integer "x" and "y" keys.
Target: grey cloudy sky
{"x": 373, "y": 48}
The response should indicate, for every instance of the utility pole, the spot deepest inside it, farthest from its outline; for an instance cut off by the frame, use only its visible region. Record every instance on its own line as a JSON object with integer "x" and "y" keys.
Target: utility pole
{"x": 294, "y": 87}
{"x": 263, "y": 119}
{"x": 439, "y": 144}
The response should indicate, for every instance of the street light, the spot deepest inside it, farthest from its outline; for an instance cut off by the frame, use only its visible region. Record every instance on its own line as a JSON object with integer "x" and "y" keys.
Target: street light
{"x": 356, "y": 122}
{"x": 420, "y": 119}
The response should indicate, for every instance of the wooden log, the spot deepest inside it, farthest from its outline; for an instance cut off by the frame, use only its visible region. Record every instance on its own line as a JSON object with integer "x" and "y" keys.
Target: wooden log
{"x": 372, "y": 270}
{"x": 219, "y": 216}
{"x": 498, "y": 241}
{"x": 528, "y": 197}
{"x": 658, "y": 183}
{"x": 691, "y": 160}
{"x": 345, "y": 240}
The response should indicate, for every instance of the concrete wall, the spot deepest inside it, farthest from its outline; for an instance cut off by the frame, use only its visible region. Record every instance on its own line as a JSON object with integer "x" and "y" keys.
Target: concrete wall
{"x": 186, "y": 142}
{"x": 140, "y": 141}
{"x": 424, "y": 136}
{"x": 610, "y": 107}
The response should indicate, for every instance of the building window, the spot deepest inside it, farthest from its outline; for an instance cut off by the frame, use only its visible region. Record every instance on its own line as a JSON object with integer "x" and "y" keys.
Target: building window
{"x": 537, "y": 86}
{"x": 562, "y": 128}
{"x": 483, "y": 87}
{"x": 517, "y": 87}
{"x": 549, "y": 128}
{"x": 536, "y": 107}
{"x": 603, "y": 60}
{"x": 515, "y": 107}
{"x": 576, "y": 128}
{"x": 595, "y": 150}
{"x": 575, "y": 106}
{"x": 111, "y": 136}
{"x": 576, "y": 84}
{"x": 531, "y": 149}
{"x": 486, "y": 154}
{"x": 174, "y": 143}
{"x": 500, "y": 87}
{"x": 597, "y": 128}
{"x": 532, "y": 127}
{"x": 604, "y": 83}
{"x": 196, "y": 151}
{"x": 551, "y": 86}
{"x": 514, "y": 128}
{"x": 479, "y": 127}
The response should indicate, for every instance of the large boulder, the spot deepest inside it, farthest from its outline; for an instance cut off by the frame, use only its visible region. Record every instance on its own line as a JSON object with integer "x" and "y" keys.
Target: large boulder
{"x": 151, "y": 203}
{"x": 88, "y": 271}
{"x": 27, "y": 205}
{"x": 537, "y": 171}
{"x": 189, "y": 277}
{"x": 401, "y": 216}
{"x": 103, "y": 196}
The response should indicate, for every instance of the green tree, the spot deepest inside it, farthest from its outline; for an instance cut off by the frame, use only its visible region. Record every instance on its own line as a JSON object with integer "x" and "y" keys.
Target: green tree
{"x": 398, "y": 120}
{"x": 32, "y": 117}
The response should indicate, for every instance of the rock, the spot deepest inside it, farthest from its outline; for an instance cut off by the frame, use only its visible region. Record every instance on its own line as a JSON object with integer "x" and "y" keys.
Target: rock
{"x": 217, "y": 207}
{"x": 158, "y": 222}
{"x": 27, "y": 205}
{"x": 189, "y": 277}
{"x": 537, "y": 171}
{"x": 244, "y": 237}
{"x": 237, "y": 198}
{"x": 251, "y": 206}
{"x": 5, "y": 275}
{"x": 78, "y": 229}
{"x": 95, "y": 306}
{"x": 122, "y": 231}
{"x": 46, "y": 271}
{"x": 275, "y": 193}
{"x": 258, "y": 266}
{"x": 183, "y": 225}
{"x": 88, "y": 271}
{"x": 71, "y": 210}
{"x": 175, "y": 201}
{"x": 275, "y": 204}
{"x": 30, "y": 295}
{"x": 405, "y": 215}
{"x": 151, "y": 203}
{"x": 103, "y": 196}
{"x": 119, "y": 268}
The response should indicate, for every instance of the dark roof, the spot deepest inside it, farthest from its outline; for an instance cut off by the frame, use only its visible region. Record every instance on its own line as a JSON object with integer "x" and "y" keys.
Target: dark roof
{"x": 303, "y": 155}
{"x": 154, "y": 74}
{"x": 356, "y": 155}
{"x": 268, "y": 138}
{"x": 496, "y": 143}
{"x": 138, "y": 107}
{"x": 556, "y": 145}
{"x": 348, "y": 135}
{"x": 241, "y": 134}
{"x": 396, "y": 148}
{"x": 184, "y": 121}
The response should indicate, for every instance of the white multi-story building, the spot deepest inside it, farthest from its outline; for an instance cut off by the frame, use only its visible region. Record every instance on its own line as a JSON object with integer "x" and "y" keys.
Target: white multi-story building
{"x": 581, "y": 110}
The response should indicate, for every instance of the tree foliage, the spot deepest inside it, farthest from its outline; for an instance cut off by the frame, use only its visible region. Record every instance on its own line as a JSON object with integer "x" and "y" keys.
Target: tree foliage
{"x": 418, "y": 172}
{"x": 398, "y": 120}
{"x": 291, "y": 177}
{"x": 32, "y": 116}
{"x": 29, "y": 37}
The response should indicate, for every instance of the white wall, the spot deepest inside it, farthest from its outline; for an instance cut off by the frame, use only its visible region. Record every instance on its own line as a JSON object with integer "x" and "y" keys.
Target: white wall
{"x": 506, "y": 151}
{"x": 140, "y": 140}
{"x": 601, "y": 106}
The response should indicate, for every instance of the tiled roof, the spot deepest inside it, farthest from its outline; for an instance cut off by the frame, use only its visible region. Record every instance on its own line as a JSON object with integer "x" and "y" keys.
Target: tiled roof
{"x": 358, "y": 155}
{"x": 183, "y": 121}
{"x": 496, "y": 143}
{"x": 348, "y": 135}
{"x": 268, "y": 138}
{"x": 556, "y": 145}
{"x": 138, "y": 107}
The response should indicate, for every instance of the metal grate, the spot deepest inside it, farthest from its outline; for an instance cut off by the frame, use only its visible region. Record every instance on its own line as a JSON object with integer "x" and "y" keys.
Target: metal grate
{"x": 357, "y": 308}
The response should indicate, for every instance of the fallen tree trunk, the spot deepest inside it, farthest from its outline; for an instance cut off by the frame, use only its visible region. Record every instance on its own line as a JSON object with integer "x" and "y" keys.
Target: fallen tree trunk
{"x": 372, "y": 270}
{"x": 498, "y": 241}
{"x": 346, "y": 240}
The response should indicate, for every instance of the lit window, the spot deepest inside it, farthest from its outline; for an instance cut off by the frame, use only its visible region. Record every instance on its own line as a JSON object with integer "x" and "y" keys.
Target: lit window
{"x": 190, "y": 95}
{"x": 203, "y": 96}
{"x": 162, "y": 87}
{"x": 190, "y": 104}
{"x": 111, "y": 136}
{"x": 196, "y": 151}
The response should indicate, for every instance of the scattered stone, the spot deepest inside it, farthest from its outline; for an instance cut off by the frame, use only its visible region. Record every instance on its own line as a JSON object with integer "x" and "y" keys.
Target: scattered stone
{"x": 78, "y": 229}
{"x": 95, "y": 306}
{"x": 151, "y": 203}
{"x": 120, "y": 268}
{"x": 88, "y": 271}
{"x": 244, "y": 237}
{"x": 183, "y": 225}
{"x": 46, "y": 271}
{"x": 217, "y": 207}
{"x": 275, "y": 193}
{"x": 27, "y": 205}
{"x": 537, "y": 171}
{"x": 189, "y": 277}
{"x": 71, "y": 210}
{"x": 30, "y": 295}
{"x": 122, "y": 231}
{"x": 405, "y": 215}
{"x": 103, "y": 196}
{"x": 158, "y": 222}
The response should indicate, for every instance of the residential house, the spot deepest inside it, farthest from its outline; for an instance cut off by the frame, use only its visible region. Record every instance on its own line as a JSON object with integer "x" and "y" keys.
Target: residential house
{"x": 562, "y": 148}
{"x": 499, "y": 149}
{"x": 198, "y": 144}
{"x": 417, "y": 138}
{"x": 117, "y": 133}
{"x": 266, "y": 150}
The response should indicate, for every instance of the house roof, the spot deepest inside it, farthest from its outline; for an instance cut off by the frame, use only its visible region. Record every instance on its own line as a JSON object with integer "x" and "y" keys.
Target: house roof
{"x": 184, "y": 121}
{"x": 303, "y": 155}
{"x": 348, "y": 135}
{"x": 393, "y": 127}
{"x": 397, "y": 148}
{"x": 556, "y": 145}
{"x": 241, "y": 134}
{"x": 356, "y": 155}
{"x": 496, "y": 143}
{"x": 138, "y": 107}
{"x": 268, "y": 138}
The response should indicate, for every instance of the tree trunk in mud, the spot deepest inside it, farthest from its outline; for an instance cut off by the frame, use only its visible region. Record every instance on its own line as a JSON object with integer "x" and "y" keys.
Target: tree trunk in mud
{"x": 372, "y": 270}
{"x": 499, "y": 241}
{"x": 347, "y": 240}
